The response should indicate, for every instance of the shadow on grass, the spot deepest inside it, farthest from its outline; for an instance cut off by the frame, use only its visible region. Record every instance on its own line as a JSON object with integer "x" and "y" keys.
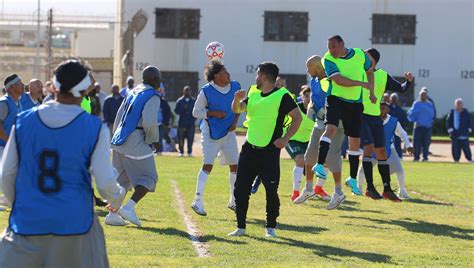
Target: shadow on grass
{"x": 328, "y": 252}
{"x": 417, "y": 226}
{"x": 287, "y": 227}
{"x": 427, "y": 202}
{"x": 185, "y": 235}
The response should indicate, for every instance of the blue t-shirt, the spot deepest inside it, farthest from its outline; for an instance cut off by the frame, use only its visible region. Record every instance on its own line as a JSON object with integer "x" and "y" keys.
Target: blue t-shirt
{"x": 318, "y": 96}
{"x": 331, "y": 68}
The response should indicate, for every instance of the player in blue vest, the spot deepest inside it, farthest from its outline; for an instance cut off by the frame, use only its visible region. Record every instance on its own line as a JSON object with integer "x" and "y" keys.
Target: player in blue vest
{"x": 213, "y": 106}
{"x": 135, "y": 130}
{"x": 9, "y": 107}
{"x": 46, "y": 179}
{"x": 31, "y": 98}
{"x": 392, "y": 128}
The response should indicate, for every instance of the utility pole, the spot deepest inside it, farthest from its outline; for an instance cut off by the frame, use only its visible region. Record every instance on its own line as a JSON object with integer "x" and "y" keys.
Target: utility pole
{"x": 38, "y": 33}
{"x": 118, "y": 44}
{"x": 50, "y": 44}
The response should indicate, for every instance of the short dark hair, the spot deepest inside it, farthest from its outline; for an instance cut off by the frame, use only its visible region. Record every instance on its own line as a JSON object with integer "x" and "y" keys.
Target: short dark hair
{"x": 270, "y": 69}
{"x": 305, "y": 89}
{"x": 374, "y": 53}
{"x": 69, "y": 73}
{"x": 336, "y": 37}
{"x": 211, "y": 69}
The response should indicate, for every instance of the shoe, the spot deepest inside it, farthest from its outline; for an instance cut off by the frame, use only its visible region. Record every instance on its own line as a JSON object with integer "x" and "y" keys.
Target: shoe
{"x": 237, "y": 232}
{"x": 255, "y": 185}
{"x": 295, "y": 195}
{"x": 320, "y": 193}
{"x": 391, "y": 196}
{"x": 336, "y": 201}
{"x": 129, "y": 215}
{"x": 114, "y": 219}
{"x": 403, "y": 194}
{"x": 180, "y": 155}
{"x": 198, "y": 207}
{"x": 2, "y": 208}
{"x": 352, "y": 183}
{"x": 305, "y": 195}
{"x": 425, "y": 160}
{"x": 372, "y": 193}
{"x": 99, "y": 202}
{"x": 190, "y": 155}
{"x": 319, "y": 170}
{"x": 270, "y": 232}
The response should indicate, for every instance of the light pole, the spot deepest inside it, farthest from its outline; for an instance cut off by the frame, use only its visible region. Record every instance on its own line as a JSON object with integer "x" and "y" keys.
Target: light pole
{"x": 37, "y": 58}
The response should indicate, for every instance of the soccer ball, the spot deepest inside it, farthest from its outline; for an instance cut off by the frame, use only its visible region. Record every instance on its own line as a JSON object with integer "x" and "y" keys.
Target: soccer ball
{"x": 215, "y": 51}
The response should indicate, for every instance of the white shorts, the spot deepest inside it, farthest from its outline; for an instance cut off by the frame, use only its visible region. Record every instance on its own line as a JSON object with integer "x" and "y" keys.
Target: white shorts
{"x": 394, "y": 162}
{"x": 225, "y": 147}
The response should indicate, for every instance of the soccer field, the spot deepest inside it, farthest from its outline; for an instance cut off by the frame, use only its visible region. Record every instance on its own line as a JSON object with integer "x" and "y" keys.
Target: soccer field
{"x": 434, "y": 228}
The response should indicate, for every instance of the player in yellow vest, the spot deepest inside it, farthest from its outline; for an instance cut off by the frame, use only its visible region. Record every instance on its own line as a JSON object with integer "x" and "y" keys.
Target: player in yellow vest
{"x": 372, "y": 131}
{"x": 345, "y": 69}
{"x": 260, "y": 155}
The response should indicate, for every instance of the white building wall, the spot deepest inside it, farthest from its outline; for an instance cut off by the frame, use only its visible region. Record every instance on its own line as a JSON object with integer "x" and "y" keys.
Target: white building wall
{"x": 93, "y": 43}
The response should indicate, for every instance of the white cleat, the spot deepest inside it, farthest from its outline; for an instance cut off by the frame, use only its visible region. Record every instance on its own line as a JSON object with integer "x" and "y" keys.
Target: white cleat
{"x": 198, "y": 207}
{"x": 270, "y": 232}
{"x": 114, "y": 219}
{"x": 305, "y": 195}
{"x": 237, "y": 232}
{"x": 130, "y": 216}
{"x": 403, "y": 194}
{"x": 336, "y": 201}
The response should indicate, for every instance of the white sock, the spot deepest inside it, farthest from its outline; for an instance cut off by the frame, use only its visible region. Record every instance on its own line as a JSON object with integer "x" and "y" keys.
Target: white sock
{"x": 297, "y": 176}
{"x": 232, "y": 178}
{"x": 401, "y": 179}
{"x": 320, "y": 182}
{"x": 201, "y": 182}
{"x": 130, "y": 205}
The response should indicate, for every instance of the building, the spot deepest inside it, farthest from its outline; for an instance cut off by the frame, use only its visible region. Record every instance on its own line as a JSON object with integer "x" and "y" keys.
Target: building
{"x": 432, "y": 39}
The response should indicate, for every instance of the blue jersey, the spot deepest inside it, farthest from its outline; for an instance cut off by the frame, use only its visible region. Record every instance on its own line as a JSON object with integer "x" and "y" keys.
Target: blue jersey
{"x": 26, "y": 103}
{"x": 318, "y": 97}
{"x": 389, "y": 129}
{"x": 216, "y": 101}
{"x": 11, "y": 116}
{"x": 53, "y": 190}
{"x": 134, "y": 104}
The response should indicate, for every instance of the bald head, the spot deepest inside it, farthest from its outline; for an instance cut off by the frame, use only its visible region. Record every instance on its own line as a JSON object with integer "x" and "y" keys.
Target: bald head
{"x": 36, "y": 88}
{"x": 151, "y": 76}
{"x": 314, "y": 67}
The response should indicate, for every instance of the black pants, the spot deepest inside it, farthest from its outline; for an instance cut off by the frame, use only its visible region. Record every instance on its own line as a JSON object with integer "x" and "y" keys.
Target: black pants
{"x": 264, "y": 163}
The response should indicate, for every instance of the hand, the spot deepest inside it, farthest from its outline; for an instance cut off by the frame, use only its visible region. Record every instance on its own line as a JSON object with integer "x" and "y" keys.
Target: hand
{"x": 280, "y": 143}
{"x": 373, "y": 99}
{"x": 409, "y": 76}
{"x": 216, "y": 114}
{"x": 239, "y": 95}
{"x": 115, "y": 205}
{"x": 410, "y": 150}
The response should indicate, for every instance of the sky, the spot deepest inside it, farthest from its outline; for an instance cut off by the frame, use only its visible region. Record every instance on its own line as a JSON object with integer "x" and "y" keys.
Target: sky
{"x": 66, "y": 7}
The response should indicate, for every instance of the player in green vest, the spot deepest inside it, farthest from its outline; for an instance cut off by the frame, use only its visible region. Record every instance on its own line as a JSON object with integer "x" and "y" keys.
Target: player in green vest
{"x": 372, "y": 130}
{"x": 266, "y": 110}
{"x": 345, "y": 69}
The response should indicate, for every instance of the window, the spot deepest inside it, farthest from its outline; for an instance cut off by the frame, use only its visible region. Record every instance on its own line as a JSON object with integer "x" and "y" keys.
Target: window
{"x": 393, "y": 29}
{"x": 406, "y": 98}
{"x": 177, "y": 23}
{"x": 175, "y": 81}
{"x": 286, "y": 26}
{"x": 294, "y": 82}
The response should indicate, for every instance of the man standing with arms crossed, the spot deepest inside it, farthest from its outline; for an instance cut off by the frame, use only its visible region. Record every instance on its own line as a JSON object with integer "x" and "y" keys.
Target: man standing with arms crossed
{"x": 260, "y": 156}
{"x": 345, "y": 69}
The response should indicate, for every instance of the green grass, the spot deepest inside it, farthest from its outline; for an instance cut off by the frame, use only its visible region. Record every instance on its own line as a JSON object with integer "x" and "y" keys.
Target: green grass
{"x": 429, "y": 231}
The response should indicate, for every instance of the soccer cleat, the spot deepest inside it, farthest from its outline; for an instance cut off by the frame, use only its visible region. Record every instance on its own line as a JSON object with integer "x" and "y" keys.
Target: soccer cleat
{"x": 391, "y": 196}
{"x": 295, "y": 195}
{"x": 352, "y": 183}
{"x": 372, "y": 193}
{"x": 114, "y": 219}
{"x": 305, "y": 195}
{"x": 320, "y": 193}
{"x": 319, "y": 170}
{"x": 336, "y": 201}
{"x": 237, "y": 232}
{"x": 403, "y": 194}
{"x": 270, "y": 232}
{"x": 198, "y": 207}
{"x": 130, "y": 216}
{"x": 99, "y": 202}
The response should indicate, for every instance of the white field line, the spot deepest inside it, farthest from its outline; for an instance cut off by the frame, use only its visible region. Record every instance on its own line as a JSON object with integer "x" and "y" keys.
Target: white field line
{"x": 194, "y": 232}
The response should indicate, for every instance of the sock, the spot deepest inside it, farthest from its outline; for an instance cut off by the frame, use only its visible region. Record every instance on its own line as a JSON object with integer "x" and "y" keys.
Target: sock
{"x": 338, "y": 189}
{"x": 309, "y": 185}
{"x": 384, "y": 170}
{"x": 401, "y": 179}
{"x": 232, "y": 178}
{"x": 368, "y": 172}
{"x": 130, "y": 205}
{"x": 323, "y": 149}
{"x": 201, "y": 182}
{"x": 320, "y": 182}
{"x": 297, "y": 176}
{"x": 354, "y": 163}
{"x": 361, "y": 177}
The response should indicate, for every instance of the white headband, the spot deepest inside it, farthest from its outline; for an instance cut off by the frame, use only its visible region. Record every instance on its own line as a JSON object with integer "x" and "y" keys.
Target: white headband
{"x": 75, "y": 91}
{"x": 11, "y": 83}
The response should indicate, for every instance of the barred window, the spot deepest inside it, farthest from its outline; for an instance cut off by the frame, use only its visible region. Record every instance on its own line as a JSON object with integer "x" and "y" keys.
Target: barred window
{"x": 286, "y": 26}
{"x": 177, "y": 23}
{"x": 393, "y": 29}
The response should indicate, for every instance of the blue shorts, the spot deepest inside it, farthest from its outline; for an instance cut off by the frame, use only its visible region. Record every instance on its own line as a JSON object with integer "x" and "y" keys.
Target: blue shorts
{"x": 372, "y": 131}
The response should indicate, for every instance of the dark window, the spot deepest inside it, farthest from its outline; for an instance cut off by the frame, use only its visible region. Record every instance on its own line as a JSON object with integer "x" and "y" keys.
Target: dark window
{"x": 406, "y": 98}
{"x": 294, "y": 82}
{"x": 175, "y": 81}
{"x": 286, "y": 26}
{"x": 393, "y": 29}
{"x": 177, "y": 23}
